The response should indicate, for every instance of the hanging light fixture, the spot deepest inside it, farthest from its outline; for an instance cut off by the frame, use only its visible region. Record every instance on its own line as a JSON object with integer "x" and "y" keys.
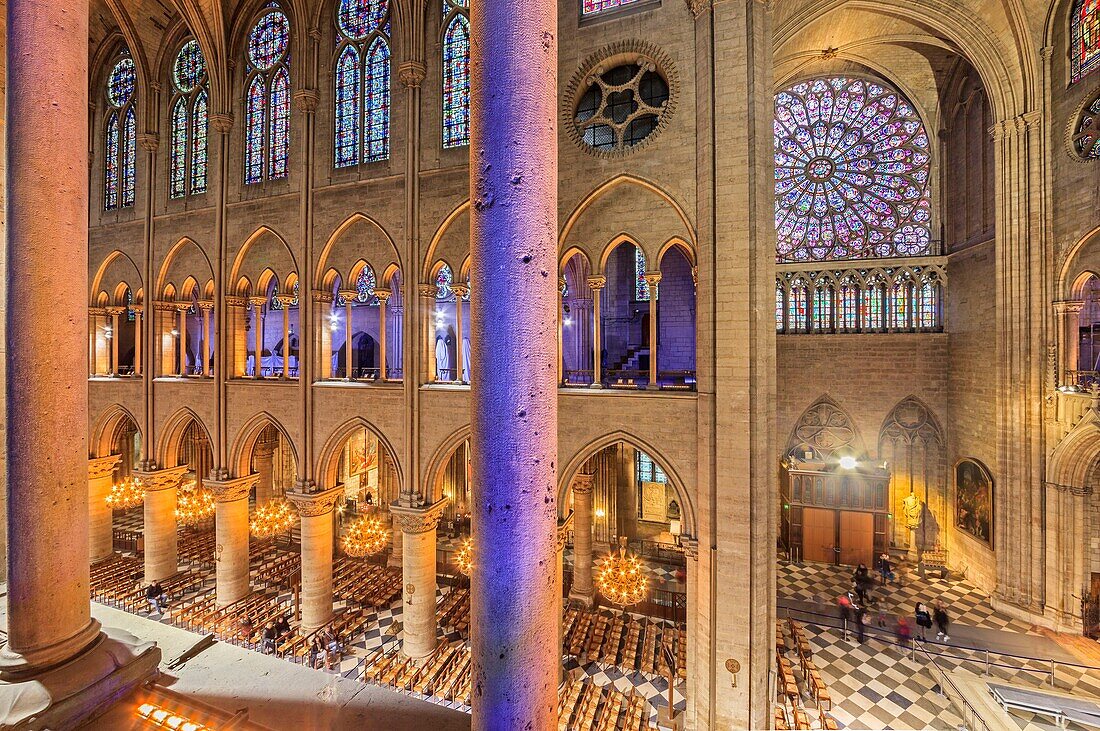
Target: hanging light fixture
{"x": 621, "y": 577}
{"x": 464, "y": 557}
{"x": 125, "y": 495}
{"x": 194, "y": 505}
{"x": 365, "y": 537}
{"x": 272, "y": 519}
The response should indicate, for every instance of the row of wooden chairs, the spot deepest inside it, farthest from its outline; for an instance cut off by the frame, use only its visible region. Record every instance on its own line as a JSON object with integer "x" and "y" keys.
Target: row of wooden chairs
{"x": 444, "y": 674}
{"x": 276, "y": 569}
{"x": 584, "y": 706}
{"x": 788, "y": 690}
{"x": 196, "y": 547}
{"x": 624, "y": 641}
{"x": 365, "y": 584}
{"x": 453, "y": 613}
{"x": 345, "y": 625}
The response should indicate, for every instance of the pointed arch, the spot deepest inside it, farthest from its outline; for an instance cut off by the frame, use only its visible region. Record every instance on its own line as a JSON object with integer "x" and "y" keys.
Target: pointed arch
{"x": 328, "y": 457}
{"x": 359, "y": 236}
{"x": 449, "y": 239}
{"x": 102, "y": 435}
{"x": 117, "y": 267}
{"x": 169, "y": 449}
{"x": 185, "y": 258}
{"x": 240, "y": 454}
{"x": 263, "y": 249}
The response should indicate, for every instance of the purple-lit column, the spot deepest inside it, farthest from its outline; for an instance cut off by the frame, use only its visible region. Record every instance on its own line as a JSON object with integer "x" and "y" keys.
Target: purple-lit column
{"x": 513, "y": 194}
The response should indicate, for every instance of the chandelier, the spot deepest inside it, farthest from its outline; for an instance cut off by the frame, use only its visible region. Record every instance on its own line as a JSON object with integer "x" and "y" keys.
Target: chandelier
{"x": 125, "y": 495}
{"x": 621, "y": 578}
{"x": 365, "y": 537}
{"x": 464, "y": 557}
{"x": 272, "y": 519}
{"x": 194, "y": 505}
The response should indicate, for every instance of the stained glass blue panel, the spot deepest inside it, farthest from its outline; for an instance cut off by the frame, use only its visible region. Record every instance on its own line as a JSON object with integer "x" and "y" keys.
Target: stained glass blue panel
{"x": 378, "y": 101}
{"x": 120, "y": 84}
{"x": 347, "y": 108}
{"x": 269, "y": 40}
{"x": 443, "y": 281}
{"x": 456, "y": 83}
{"x": 364, "y": 286}
{"x": 594, "y": 7}
{"x": 129, "y": 158}
{"x": 189, "y": 69}
{"x": 357, "y": 19}
{"x": 110, "y": 192}
{"x": 280, "y": 124}
{"x": 199, "y": 134}
{"x": 177, "y": 154}
{"x": 255, "y": 112}
{"x": 641, "y": 286}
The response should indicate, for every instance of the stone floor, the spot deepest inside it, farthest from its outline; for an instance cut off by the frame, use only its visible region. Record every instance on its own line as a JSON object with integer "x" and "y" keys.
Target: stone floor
{"x": 877, "y": 685}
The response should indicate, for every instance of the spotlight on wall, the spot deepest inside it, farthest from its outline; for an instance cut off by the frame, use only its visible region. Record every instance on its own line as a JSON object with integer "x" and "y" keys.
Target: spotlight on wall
{"x": 108, "y": 333}
{"x": 600, "y": 512}
{"x": 175, "y": 332}
{"x": 848, "y": 462}
{"x": 567, "y": 321}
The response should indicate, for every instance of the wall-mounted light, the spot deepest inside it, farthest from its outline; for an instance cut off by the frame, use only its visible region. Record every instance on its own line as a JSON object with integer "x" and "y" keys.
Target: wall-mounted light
{"x": 108, "y": 333}
{"x": 848, "y": 462}
{"x": 600, "y": 512}
{"x": 567, "y": 321}
{"x": 175, "y": 332}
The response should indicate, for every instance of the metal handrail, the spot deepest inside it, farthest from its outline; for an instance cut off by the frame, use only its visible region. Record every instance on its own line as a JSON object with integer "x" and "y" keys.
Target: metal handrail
{"x": 954, "y": 694}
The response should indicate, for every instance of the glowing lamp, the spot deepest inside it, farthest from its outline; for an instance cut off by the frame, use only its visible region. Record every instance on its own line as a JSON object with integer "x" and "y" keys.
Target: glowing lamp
{"x": 365, "y": 537}
{"x": 464, "y": 557}
{"x": 848, "y": 462}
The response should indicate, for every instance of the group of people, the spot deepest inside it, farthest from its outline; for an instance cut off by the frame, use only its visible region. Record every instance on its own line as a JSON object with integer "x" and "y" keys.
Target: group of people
{"x": 325, "y": 650}
{"x": 273, "y": 633}
{"x": 853, "y": 606}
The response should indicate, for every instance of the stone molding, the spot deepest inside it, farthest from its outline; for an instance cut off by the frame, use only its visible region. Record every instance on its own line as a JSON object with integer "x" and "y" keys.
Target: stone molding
{"x": 315, "y": 504}
{"x": 349, "y": 295}
{"x": 230, "y": 491}
{"x": 652, "y": 278}
{"x": 257, "y": 301}
{"x": 322, "y": 297}
{"x": 149, "y": 142}
{"x": 583, "y": 482}
{"x": 699, "y": 7}
{"x": 113, "y": 311}
{"x": 221, "y": 123}
{"x": 427, "y": 290}
{"x": 460, "y": 290}
{"x": 164, "y": 306}
{"x": 233, "y": 300}
{"x": 597, "y": 282}
{"x": 100, "y": 467}
{"x": 156, "y": 480}
{"x": 1068, "y": 307}
{"x": 285, "y": 299}
{"x": 563, "y": 532}
{"x": 307, "y": 100}
{"x": 411, "y": 74}
{"x": 383, "y": 295}
{"x": 690, "y": 546}
{"x": 206, "y": 304}
{"x": 415, "y": 521}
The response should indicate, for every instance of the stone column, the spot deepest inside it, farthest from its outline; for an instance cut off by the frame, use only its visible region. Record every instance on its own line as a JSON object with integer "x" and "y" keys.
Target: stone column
{"x": 596, "y": 284}
{"x": 513, "y": 235}
{"x": 139, "y": 338}
{"x": 159, "y": 533}
{"x": 559, "y": 577}
{"x": 317, "y": 533}
{"x": 323, "y": 327}
{"x": 286, "y": 300}
{"x": 418, "y": 537}
{"x": 397, "y": 550}
{"x": 113, "y": 313}
{"x": 56, "y": 668}
{"x": 583, "y": 589}
{"x": 383, "y": 296}
{"x": 237, "y": 338}
{"x": 561, "y": 330}
{"x": 205, "y": 339}
{"x": 258, "y": 304}
{"x": 460, "y": 290}
{"x": 427, "y": 297}
{"x": 101, "y": 471}
{"x": 263, "y": 461}
{"x": 349, "y": 296}
{"x": 652, "y": 279}
{"x": 1067, "y": 312}
{"x": 182, "y": 342}
{"x": 231, "y": 530}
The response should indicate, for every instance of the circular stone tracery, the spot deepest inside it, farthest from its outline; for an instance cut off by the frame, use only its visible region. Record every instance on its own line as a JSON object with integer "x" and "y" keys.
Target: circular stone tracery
{"x": 624, "y": 102}
{"x": 120, "y": 86}
{"x": 358, "y": 18}
{"x": 1086, "y": 136}
{"x": 189, "y": 67}
{"x": 851, "y": 172}
{"x": 269, "y": 40}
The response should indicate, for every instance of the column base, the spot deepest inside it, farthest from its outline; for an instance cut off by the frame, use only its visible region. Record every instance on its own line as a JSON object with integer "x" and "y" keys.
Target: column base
{"x": 596, "y": 384}
{"x": 78, "y": 691}
{"x": 15, "y": 667}
{"x": 588, "y": 599}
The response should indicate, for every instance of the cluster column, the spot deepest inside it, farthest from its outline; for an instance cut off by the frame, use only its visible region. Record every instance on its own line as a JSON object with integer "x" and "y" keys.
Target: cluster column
{"x": 101, "y": 471}
{"x": 315, "y": 510}
{"x": 652, "y": 279}
{"x": 418, "y": 539}
{"x": 583, "y": 589}
{"x": 231, "y": 530}
{"x": 159, "y": 534}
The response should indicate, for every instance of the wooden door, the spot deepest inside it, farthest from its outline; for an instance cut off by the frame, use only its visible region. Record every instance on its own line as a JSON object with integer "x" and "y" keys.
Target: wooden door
{"x": 818, "y": 535}
{"x": 857, "y": 538}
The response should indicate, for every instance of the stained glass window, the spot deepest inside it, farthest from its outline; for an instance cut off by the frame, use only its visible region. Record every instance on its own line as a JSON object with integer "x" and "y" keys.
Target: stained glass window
{"x": 267, "y": 104}
{"x": 779, "y": 307}
{"x": 121, "y": 147}
{"x": 648, "y": 470}
{"x": 443, "y": 281}
{"x": 362, "y": 82}
{"x": 641, "y": 286}
{"x": 364, "y": 287}
{"x": 595, "y": 7}
{"x": 899, "y": 305}
{"x": 1084, "y": 38}
{"x": 871, "y": 313}
{"x": 848, "y": 306}
{"x": 797, "y": 316}
{"x": 851, "y": 172}
{"x": 823, "y": 308}
{"x": 456, "y": 75}
{"x": 927, "y": 305}
{"x": 189, "y": 119}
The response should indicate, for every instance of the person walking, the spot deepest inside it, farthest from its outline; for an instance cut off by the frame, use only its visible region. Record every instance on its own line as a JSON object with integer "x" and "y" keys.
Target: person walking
{"x": 939, "y": 615}
{"x": 923, "y": 620}
{"x": 861, "y": 580}
{"x": 903, "y": 632}
{"x": 861, "y": 617}
{"x": 315, "y": 650}
{"x": 885, "y": 569}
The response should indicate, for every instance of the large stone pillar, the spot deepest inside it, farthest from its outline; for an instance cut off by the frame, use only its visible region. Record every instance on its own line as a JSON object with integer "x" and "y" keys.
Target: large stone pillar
{"x": 583, "y": 589}
{"x": 397, "y": 550}
{"x": 418, "y": 536}
{"x": 231, "y": 531}
{"x": 101, "y": 471}
{"x": 49, "y": 620}
{"x": 315, "y": 509}
{"x": 513, "y": 225}
{"x": 559, "y": 577}
{"x": 159, "y": 532}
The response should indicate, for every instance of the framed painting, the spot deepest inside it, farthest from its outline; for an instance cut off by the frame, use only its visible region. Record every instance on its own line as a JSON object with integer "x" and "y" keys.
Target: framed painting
{"x": 974, "y": 500}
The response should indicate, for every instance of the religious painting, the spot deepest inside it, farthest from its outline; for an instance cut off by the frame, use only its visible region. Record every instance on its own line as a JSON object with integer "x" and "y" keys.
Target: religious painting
{"x": 654, "y": 506}
{"x": 974, "y": 500}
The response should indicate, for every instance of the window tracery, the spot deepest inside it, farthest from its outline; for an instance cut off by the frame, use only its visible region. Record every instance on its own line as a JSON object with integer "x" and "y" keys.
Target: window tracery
{"x": 362, "y": 82}
{"x": 121, "y": 147}
{"x": 456, "y": 74}
{"x": 267, "y": 101}
{"x": 187, "y": 162}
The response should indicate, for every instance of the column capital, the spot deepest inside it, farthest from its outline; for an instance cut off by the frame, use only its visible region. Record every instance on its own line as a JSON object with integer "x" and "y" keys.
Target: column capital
{"x": 699, "y": 8}
{"x": 164, "y": 306}
{"x": 156, "y": 480}
{"x": 322, "y": 297}
{"x": 383, "y": 295}
{"x": 149, "y": 142}
{"x": 257, "y": 301}
{"x": 583, "y": 483}
{"x": 411, "y": 74}
{"x": 307, "y": 100}
{"x": 206, "y": 304}
{"x": 232, "y": 490}
{"x": 690, "y": 546}
{"x": 221, "y": 123}
{"x": 349, "y": 295}
{"x": 597, "y": 282}
{"x": 1063, "y": 307}
{"x": 232, "y": 300}
{"x": 100, "y": 467}
{"x": 427, "y": 291}
{"x": 183, "y": 306}
{"x": 315, "y": 504}
{"x": 460, "y": 290}
{"x": 138, "y": 309}
{"x": 286, "y": 300}
{"x": 115, "y": 310}
{"x": 563, "y": 531}
{"x": 418, "y": 520}
{"x": 652, "y": 278}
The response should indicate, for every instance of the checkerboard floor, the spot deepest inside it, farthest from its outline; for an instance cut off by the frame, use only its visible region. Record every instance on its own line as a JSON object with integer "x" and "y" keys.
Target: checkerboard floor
{"x": 822, "y": 584}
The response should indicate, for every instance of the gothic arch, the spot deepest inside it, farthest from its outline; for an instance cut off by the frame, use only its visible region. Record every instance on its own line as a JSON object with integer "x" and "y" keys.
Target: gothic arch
{"x": 450, "y": 240}
{"x": 441, "y": 456}
{"x": 826, "y": 429}
{"x": 911, "y": 422}
{"x": 117, "y": 268}
{"x": 185, "y": 259}
{"x": 329, "y": 457}
{"x": 240, "y": 456}
{"x": 171, "y": 436}
{"x": 568, "y": 471}
{"x": 342, "y": 250}
{"x": 103, "y": 435}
